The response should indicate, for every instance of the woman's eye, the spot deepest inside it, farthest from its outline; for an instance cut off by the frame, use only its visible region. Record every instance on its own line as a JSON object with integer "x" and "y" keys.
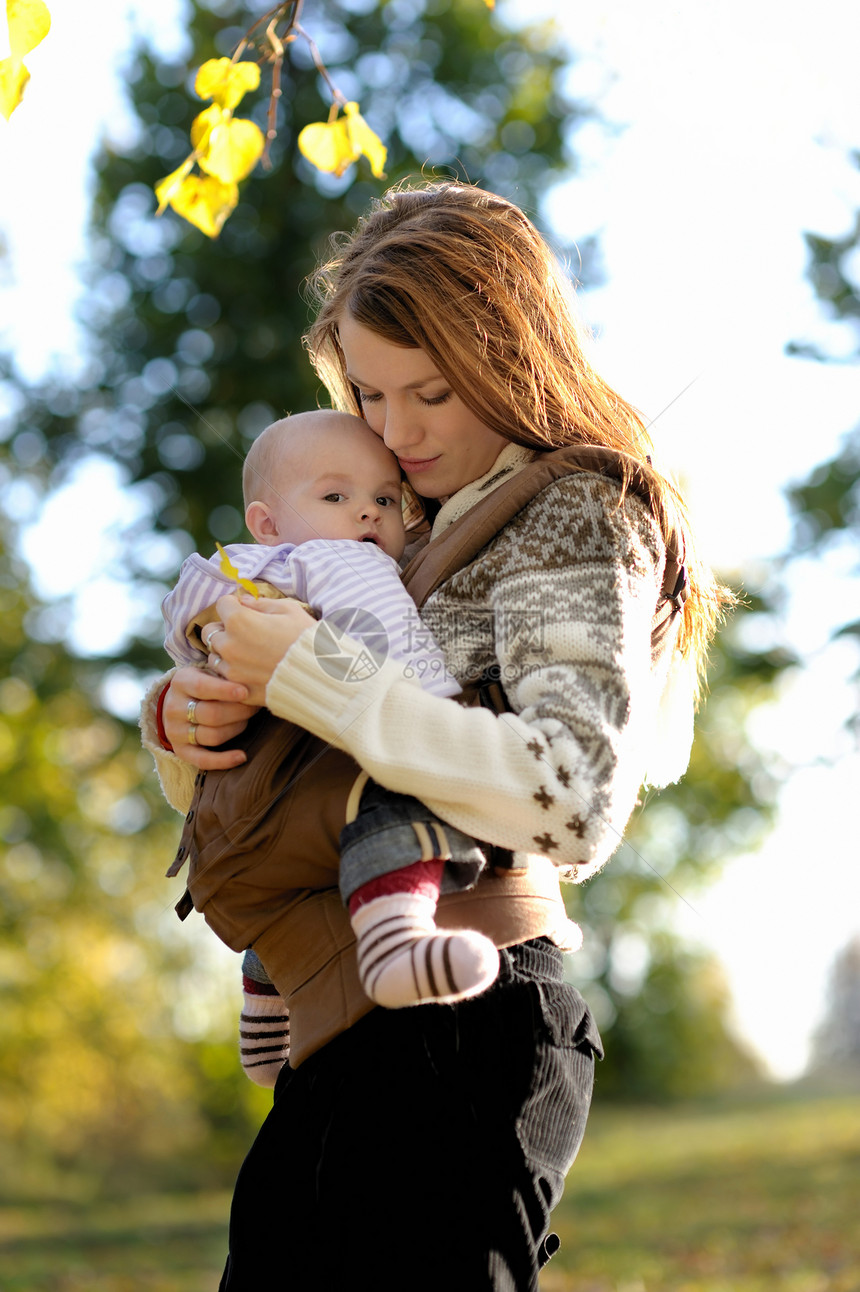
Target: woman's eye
{"x": 437, "y": 399}
{"x": 366, "y": 398}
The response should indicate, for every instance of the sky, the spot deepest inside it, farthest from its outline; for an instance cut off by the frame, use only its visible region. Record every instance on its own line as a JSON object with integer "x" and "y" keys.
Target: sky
{"x": 726, "y": 133}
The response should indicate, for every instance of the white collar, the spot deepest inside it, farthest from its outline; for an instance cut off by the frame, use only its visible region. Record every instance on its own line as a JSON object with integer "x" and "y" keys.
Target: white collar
{"x": 512, "y": 458}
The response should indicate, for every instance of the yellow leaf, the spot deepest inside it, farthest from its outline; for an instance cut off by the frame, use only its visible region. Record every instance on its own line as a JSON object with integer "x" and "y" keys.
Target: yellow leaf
{"x": 29, "y": 23}
{"x": 228, "y": 568}
{"x": 226, "y": 82}
{"x": 205, "y": 202}
{"x": 13, "y": 77}
{"x": 234, "y": 148}
{"x": 364, "y": 141}
{"x": 203, "y": 123}
{"x": 335, "y": 145}
{"x": 165, "y": 188}
{"x": 491, "y": 4}
{"x": 327, "y": 145}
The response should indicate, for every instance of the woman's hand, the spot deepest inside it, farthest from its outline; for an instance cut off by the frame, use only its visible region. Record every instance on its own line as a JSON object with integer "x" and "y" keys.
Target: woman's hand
{"x": 202, "y": 711}
{"x": 253, "y": 638}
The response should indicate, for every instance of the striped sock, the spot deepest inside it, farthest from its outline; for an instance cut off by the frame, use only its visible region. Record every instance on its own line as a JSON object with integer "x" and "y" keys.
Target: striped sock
{"x": 264, "y": 1033}
{"x": 403, "y": 959}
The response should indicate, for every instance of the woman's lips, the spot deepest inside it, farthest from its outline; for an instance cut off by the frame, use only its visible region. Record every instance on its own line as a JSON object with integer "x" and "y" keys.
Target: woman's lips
{"x": 413, "y": 465}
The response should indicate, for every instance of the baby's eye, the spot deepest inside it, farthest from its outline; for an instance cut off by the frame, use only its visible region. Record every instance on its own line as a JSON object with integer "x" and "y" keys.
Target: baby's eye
{"x": 385, "y": 501}
{"x": 334, "y": 497}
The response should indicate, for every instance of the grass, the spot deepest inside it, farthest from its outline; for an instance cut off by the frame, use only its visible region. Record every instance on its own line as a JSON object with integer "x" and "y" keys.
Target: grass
{"x": 755, "y": 1197}
{"x": 162, "y": 1243}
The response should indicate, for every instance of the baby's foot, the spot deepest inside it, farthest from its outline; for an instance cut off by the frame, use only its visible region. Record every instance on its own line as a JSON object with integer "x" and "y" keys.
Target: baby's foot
{"x": 403, "y": 959}
{"x": 264, "y": 1034}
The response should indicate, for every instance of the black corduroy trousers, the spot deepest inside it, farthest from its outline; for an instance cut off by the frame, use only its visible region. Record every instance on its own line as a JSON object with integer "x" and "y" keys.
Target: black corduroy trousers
{"x": 424, "y": 1148}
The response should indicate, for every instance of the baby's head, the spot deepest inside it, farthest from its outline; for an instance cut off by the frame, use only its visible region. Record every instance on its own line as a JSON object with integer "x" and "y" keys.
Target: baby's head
{"x": 323, "y": 475}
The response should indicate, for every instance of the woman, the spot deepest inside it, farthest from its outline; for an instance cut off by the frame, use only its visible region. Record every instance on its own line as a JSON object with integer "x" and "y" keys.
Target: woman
{"x": 426, "y": 1147}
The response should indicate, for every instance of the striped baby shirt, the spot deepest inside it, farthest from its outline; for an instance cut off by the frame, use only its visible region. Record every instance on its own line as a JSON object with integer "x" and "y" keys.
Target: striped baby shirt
{"x": 354, "y": 589}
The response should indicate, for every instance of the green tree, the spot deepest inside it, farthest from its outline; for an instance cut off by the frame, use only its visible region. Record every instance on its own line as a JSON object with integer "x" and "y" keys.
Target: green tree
{"x": 728, "y": 799}
{"x": 662, "y": 1002}
{"x": 826, "y": 508}
{"x": 196, "y": 345}
{"x": 826, "y": 505}
{"x": 837, "y": 1039}
{"x": 91, "y": 970}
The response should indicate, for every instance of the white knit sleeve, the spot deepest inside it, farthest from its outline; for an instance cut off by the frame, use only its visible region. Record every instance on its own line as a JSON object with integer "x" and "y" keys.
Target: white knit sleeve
{"x": 570, "y": 588}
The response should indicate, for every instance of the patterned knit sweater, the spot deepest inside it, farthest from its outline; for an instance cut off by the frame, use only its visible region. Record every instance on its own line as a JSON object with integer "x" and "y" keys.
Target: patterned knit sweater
{"x": 558, "y": 607}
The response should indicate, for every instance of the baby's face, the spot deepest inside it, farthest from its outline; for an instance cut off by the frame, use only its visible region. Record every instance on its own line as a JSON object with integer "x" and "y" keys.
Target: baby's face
{"x": 344, "y": 486}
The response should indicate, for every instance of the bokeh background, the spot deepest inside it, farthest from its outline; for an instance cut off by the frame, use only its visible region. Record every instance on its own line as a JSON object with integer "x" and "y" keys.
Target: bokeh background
{"x": 697, "y": 168}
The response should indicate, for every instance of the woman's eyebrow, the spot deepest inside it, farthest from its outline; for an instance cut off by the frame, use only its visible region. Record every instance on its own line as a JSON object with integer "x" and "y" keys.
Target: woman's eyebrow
{"x": 411, "y": 385}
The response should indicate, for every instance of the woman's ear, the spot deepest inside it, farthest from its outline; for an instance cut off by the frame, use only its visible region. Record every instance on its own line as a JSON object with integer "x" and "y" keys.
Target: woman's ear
{"x": 262, "y": 524}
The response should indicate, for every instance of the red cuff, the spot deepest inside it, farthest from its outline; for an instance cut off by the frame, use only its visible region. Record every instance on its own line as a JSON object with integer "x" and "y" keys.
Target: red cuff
{"x": 254, "y": 988}
{"x": 159, "y": 720}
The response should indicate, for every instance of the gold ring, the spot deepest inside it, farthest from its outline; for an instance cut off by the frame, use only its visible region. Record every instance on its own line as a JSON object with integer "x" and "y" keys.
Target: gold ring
{"x": 192, "y": 733}
{"x": 191, "y": 712}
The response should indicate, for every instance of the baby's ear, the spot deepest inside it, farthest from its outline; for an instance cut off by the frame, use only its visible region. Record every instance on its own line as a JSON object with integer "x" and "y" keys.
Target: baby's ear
{"x": 261, "y": 523}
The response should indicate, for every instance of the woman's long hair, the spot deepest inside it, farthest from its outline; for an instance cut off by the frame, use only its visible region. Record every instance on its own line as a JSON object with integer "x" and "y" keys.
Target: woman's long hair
{"x": 465, "y": 276}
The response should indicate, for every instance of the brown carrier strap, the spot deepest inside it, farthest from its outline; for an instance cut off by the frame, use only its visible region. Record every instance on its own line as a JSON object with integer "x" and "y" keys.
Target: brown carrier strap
{"x": 467, "y": 537}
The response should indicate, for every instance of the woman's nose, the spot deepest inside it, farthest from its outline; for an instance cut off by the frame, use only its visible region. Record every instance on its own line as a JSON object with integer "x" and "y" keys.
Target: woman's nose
{"x": 399, "y": 432}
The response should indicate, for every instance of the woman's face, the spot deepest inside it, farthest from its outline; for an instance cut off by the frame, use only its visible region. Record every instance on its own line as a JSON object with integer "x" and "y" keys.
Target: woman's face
{"x": 440, "y": 443}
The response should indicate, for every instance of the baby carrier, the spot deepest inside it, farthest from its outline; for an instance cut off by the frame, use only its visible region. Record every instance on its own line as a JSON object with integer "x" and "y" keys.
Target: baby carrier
{"x": 262, "y": 840}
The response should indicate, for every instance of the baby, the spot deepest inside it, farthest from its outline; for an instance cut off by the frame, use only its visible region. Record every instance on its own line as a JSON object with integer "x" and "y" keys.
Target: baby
{"x": 323, "y": 499}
